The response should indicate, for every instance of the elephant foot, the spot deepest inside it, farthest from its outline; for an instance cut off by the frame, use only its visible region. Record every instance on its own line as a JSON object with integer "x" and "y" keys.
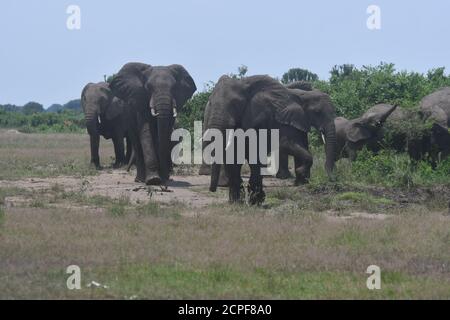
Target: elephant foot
{"x": 97, "y": 165}
{"x": 205, "y": 170}
{"x": 118, "y": 165}
{"x": 257, "y": 196}
{"x": 299, "y": 181}
{"x": 236, "y": 195}
{"x": 301, "y": 176}
{"x": 284, "y": 174}
{"x": 153, "y": 179}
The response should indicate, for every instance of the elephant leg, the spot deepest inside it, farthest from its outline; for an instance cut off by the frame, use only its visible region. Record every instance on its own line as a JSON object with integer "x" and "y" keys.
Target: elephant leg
{"x": 205, "y": 169}
{"x": 137, "y": 156}
{"x": 119, "y": 151}
{"x": 223, "y": 179}
{"x": 233, "y": 172}
{"x": 303, "y": 161}
{"x": 129, "y": 149}
{"x": 140, "y": 167}
{"x": 255, "y": 187}
{"x": 150, "y": 158}
{"x": 95, "y": 143}
{"x": 283, "y": 171}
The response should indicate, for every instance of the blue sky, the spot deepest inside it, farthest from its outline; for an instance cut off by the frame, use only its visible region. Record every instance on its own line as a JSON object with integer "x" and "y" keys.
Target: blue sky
{"x": 41, "y": 60}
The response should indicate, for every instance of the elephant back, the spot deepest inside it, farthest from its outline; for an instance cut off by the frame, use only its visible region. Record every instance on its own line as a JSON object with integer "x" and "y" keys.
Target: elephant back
{"x": 437, "y": 106}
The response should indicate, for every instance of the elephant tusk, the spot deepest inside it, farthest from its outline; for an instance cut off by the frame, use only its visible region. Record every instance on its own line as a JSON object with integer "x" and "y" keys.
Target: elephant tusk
{"x": 323, "y": 138}
{"x": 229, "y": 139}
{"x": 154, "y": 113}
{"x": 99, "y": 120}
{"x": 175, "y": 113}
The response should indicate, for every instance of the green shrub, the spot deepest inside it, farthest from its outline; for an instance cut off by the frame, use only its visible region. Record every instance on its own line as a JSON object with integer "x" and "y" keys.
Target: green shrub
{"x": 44, "y": 122}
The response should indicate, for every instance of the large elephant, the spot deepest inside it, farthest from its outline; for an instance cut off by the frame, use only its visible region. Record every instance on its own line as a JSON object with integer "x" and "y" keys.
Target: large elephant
{"x": 106, "y": 116}
{"x": 367, "y": 130}
{"x": 155, "y": 96}
{"x": 260, "y": 102}
{"x": 435, "y": 109}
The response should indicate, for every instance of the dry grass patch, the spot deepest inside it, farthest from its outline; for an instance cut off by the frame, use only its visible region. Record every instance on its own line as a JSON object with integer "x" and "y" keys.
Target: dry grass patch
{"x": 228, "y": 253}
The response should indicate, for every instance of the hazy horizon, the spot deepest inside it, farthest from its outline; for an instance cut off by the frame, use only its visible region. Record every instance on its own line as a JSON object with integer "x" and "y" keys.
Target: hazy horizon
{"x": 209, "y": 38}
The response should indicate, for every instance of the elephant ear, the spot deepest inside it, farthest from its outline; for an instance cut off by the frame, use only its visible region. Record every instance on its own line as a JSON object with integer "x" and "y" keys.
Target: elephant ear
{"x": 185, "y": 85}
{"x": 356, "y": 132}
{"x": 115, "y": 108}
{"x": 294, "y": 115}
{"x": 128, "y": 83}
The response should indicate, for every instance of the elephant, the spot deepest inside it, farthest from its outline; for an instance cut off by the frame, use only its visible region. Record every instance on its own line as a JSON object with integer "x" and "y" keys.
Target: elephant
{"x": 283, "y": 171}
{"x": 261, "y": 102}
{"x": 155, "y": 95}
{"x": 106, "y": 116}
{"x": 367, "y": 130}
{"x": 435, "y": 109}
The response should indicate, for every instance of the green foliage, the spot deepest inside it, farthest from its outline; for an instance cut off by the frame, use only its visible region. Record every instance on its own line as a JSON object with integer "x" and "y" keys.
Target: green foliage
{"x": 355, "y": 90}
{"x": 32, "y": 108}
{"x": 194, "y": 108}
{"x": 391, "y": 169}
{"x": 65, "y": 121}
{"x": 298, "y": 74}
{"x": 398, "y": 133}
{"x": 242, "y": 71}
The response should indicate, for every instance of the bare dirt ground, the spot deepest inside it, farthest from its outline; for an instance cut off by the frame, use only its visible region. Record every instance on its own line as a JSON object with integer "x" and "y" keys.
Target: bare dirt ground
{"x": 190, "y": 191}
{"x": 119, "y": 183}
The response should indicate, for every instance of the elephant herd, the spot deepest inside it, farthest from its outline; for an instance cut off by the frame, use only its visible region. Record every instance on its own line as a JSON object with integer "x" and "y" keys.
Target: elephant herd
{"x": 141, "y": 104}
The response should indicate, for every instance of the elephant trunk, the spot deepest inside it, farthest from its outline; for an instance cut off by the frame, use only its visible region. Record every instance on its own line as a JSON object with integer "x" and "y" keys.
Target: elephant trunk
{"x": 387, "y": 114}
{"x": 330, "y": 149}
{"x": 91, "y": 117}
{"x": 164, "y": 151}
{"x": 163, "y": 107}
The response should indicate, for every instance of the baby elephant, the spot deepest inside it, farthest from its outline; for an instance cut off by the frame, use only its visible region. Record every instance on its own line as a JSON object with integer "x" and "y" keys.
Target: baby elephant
{"x": 106, "y": 116}
{"x": 353, "y": 135}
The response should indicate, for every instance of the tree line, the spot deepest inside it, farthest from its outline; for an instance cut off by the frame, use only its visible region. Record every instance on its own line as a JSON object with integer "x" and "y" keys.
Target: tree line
{"x": 353, "y": 90}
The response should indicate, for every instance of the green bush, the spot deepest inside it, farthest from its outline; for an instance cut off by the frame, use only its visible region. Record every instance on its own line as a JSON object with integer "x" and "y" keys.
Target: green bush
{"x": 355, "y": 90}
{"x": 44, "y": 122}
{"x": 392, "y": 169}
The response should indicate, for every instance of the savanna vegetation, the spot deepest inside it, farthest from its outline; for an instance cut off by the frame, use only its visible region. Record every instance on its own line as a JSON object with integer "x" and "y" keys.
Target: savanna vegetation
{"x": 311, "y": 241}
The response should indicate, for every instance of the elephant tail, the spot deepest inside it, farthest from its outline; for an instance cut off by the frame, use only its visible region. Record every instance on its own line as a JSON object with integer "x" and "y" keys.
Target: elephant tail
{"x": 132, "y": 160}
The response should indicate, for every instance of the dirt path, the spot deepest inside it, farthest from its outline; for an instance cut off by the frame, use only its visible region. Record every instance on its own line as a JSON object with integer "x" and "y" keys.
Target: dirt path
{"x": 189, "y": 190}
{"x": 119, "y": 183}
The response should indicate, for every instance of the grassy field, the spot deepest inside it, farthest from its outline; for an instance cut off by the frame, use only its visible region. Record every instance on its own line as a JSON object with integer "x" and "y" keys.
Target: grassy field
{"x": 306, "y": 242}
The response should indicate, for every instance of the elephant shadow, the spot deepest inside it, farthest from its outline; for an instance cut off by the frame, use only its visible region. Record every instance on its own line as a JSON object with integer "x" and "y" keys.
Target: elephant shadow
{"x": 178, "y": 184}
